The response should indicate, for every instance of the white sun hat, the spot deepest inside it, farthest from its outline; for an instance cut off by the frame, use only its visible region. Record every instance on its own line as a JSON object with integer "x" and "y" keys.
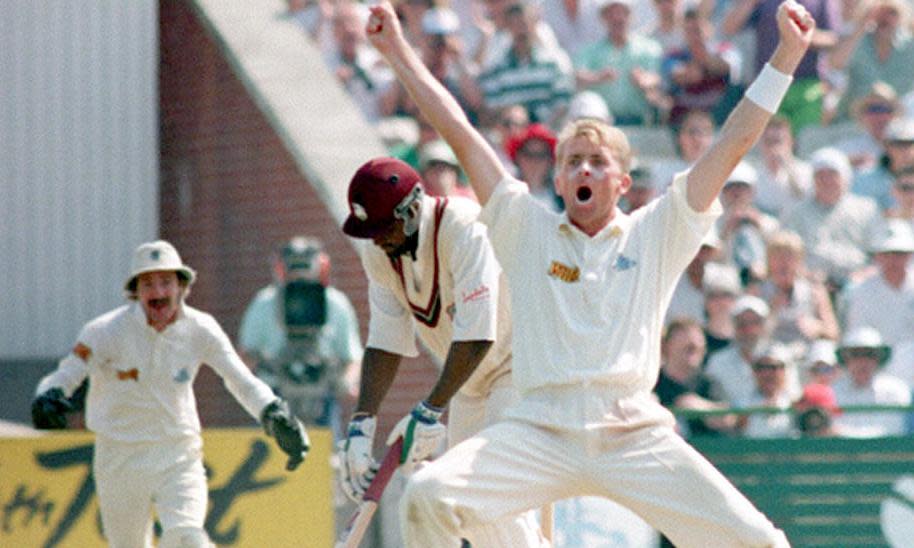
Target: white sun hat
{"x": 156, "y": 256}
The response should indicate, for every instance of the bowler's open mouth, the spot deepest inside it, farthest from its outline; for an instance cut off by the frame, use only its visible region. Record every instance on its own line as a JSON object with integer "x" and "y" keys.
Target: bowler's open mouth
{"x": 584, "y": 194}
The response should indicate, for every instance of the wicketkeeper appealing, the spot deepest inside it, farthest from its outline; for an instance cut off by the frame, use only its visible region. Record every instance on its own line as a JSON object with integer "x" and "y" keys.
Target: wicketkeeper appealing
{"x": 141, "y": 360}
{"x": 431, "y": 273}
{"x": 589, "y": 289}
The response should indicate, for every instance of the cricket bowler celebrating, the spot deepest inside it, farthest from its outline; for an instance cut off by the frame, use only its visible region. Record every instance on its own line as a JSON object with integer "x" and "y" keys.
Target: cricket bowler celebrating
{"x": 589, "y": 288}
{"x": 141, "y": 360}
{"x": 431, "y": 273}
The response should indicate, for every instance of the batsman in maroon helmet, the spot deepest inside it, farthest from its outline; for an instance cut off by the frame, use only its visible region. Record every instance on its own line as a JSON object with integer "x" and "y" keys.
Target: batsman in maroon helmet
{"x": 432, "y": 274}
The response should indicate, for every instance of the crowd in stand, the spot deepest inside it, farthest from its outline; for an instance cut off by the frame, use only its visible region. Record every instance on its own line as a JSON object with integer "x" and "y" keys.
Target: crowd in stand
{"x": 803, "y": 297}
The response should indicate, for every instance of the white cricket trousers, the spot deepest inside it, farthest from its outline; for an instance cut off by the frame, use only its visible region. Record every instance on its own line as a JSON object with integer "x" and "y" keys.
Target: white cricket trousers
{"x": 132, "y": 479}
{"x": 514, "y": 466}
{"x": 468, "y": 415}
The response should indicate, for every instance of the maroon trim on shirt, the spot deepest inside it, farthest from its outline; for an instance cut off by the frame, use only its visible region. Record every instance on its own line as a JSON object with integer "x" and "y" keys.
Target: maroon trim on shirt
{"x": 430, "y": 313}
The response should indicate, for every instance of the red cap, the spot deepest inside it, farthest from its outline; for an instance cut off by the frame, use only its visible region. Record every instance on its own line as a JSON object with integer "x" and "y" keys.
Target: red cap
{"x": 376, "y": 189}
{"x": 819, "y": 395}
{"x": 533, "y": 131}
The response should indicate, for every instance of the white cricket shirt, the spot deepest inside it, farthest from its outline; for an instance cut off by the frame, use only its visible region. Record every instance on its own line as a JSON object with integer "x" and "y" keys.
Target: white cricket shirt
{"x": 589, "y": 310}
{"x": 452, "y": 291}
{"x": 141, "y": 380}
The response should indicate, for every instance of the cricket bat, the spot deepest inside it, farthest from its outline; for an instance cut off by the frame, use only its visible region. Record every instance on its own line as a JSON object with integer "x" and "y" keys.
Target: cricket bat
{"x": 361, "y": 518}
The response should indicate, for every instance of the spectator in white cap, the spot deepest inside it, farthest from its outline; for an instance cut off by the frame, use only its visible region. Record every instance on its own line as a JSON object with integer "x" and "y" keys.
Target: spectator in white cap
{"x": 885, "y": 301}
{"x": 743, "y": 228}
{"x": 801, "y": 310}
{"x": 688, "y": 297}
{"x": 722, "y": 287}
{"x": 731, "y": 367}
{"x": 588, "y": 104}
{"x": 898, "y": 144}
{"x": 441, "y": 172}
{"x": 822, "y": 362}
{"x": 141, "y": 360}
{"x": 834, "y": 224}
{"x": 770, "y": 365}
{"x": 863, "y": 353}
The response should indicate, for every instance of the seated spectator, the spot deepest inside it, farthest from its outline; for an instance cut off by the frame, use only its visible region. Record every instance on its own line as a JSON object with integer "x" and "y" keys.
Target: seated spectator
{"x": 441, "y": 49}
{"x": 879, "y": 49}
{"x": 540, "y": 78}
{"x": 667, "y": 29}
{"x": 816, "y": 411}
{"x": 700, "y": 73}
{"x": 899, "y": 154}
{"x": 688, "y": 297}
{"x": 862, "y": 353}
{"x": 576, "y": 24}
{"x": 505, "y": 123}
{"x": 801, "y": 310}
{"x": 769, "y": 375}
{"x": 682, "y": 384}
{"x": 642, "y": 190}
{"x": 903, "y": 192}
{"x": 731, "y": 367}
{"x": 722, "y": 287}
{"x": 821, "y": 363}
{"x": 623, "y": 67}
{"x": 885, "y": 301}
{"x": 441, "y": 172}
{"x": 834, "y": 224}
{"x": 872, "y": 114}
{"x": 803, "y": 103}
{"x": 743, "y": 229}
{"x": 533, "y": 153}
{"x": 783, "y": 178}
{"x": 693, "y": 138}
{"x": 358, "y": 66}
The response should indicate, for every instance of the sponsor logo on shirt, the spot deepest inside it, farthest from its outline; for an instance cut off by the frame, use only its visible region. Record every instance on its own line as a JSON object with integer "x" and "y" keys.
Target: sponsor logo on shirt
{"x": 624, "y": 263}
{"x": 568, "y": 274}
{"x": 129, "y": 374}
{"x": 82, "y": 351}
{"x": 182, "y": 375}
{"x": 481, "y": 293}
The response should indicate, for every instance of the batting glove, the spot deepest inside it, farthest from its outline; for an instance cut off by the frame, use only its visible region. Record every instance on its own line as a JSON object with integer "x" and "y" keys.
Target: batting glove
{"x": 422, "y": 433}
{"x": 49, "y": 410}
{"x": 358, "y": 467}
{"x": 279, "y": 422}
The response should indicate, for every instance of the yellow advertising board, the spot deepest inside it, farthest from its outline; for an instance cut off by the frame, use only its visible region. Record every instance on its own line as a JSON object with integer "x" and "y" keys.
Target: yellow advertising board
{"x": 47, "y": 496}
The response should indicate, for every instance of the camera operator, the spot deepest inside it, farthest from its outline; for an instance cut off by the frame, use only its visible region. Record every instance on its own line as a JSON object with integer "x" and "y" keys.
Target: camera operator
{"x": 301, "y": 335}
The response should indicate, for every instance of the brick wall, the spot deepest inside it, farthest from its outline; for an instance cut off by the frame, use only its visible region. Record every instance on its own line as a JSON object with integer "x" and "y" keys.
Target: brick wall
{"x": 230, "y": 192}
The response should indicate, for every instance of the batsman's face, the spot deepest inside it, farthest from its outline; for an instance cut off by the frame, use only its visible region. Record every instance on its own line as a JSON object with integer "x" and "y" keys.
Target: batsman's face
{"x": 159, "y": 293}
{"x": 590, "y": 180}
{"x": 392, "y": 240}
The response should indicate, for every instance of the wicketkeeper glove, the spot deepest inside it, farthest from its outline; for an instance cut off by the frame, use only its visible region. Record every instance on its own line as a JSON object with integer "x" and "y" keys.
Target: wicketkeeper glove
{"x": 278, "y": 422}
{"x": 49, "y": 410}
{"x": 422, "y": 434}
{"x": 358, "y": 467}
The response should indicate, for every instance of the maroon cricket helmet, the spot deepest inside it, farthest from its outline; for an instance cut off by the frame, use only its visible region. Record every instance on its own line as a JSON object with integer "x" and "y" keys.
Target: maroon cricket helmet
{"x": 378, "y": 192}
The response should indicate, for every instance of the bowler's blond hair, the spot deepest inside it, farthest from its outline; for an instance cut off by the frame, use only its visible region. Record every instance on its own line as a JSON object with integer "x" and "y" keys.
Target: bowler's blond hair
{"x": 598, "y": 133}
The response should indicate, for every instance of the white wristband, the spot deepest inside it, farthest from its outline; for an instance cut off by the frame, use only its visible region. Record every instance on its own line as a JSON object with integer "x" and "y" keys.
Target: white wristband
{"x": 769, "y": 88}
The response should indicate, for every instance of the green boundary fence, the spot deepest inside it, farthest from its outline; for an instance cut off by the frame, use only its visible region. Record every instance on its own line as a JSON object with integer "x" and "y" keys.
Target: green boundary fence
{"x": 834, "y": 492}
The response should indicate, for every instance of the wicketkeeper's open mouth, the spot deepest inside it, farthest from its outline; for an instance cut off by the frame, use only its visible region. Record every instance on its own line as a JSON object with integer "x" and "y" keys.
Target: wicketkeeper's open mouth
{"x": 158, "y": 304}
